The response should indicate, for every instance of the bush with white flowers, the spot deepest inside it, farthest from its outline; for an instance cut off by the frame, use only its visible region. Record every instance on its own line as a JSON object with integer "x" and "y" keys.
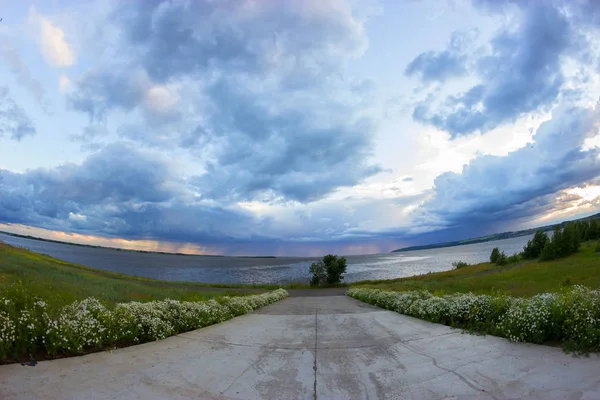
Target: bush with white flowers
{"x": 571, "y": 316}
{"x": 26, "y": 326}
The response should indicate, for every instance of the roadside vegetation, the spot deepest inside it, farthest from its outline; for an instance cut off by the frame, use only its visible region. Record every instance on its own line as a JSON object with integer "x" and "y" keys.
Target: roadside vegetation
{"x": 51, "y": 308}
{"x": 31, "y": 328}
{"x": 570, "y": 317}
{"x": 548, "y": 293}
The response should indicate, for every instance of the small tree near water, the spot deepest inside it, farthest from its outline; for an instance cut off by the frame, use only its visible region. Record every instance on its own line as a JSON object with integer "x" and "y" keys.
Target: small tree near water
{"x": 534, "y": 247}
{"x": 330, "y": 271}
{"x": 564, "y": 242}
{"x": 498, "y": 257}
{"x": 319, "y": 275}
{"x": 495, "y": 255}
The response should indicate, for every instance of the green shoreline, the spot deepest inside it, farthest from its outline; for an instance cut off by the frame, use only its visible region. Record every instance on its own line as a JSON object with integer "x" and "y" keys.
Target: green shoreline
{"x": 521, "y": 278}
{"x": 492, "y": 237}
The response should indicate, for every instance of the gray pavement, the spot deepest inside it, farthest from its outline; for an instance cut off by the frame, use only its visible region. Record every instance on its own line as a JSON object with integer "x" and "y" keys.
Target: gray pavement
{"x": 314, "y": 348}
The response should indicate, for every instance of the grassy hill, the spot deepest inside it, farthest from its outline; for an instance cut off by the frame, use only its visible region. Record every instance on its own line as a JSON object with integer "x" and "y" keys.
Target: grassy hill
{"x": 519, "y": 279}
{"x": 51, "y": 308}
{"x": 64, "y": 282}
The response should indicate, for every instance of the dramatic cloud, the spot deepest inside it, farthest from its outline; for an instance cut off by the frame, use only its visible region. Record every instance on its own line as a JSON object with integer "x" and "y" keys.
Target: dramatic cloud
{"x": 101, "y": 91}
{"x": 492, "y": 189}
{"x": 306, "y": 38}
{"x": 55, "y": 48}
{"x": 287, "y": 153}
{"x": 120, "y": 192}
{"x": 441, "y": 65}
{"x": 14, "y": 122}
{"x": 520, "y": 74}
{"x": 298, "y": 127}
{"x": 269, "y": 97}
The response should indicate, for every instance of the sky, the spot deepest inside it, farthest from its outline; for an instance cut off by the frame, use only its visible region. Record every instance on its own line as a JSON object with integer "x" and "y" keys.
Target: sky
{"x": 296, "y": 127}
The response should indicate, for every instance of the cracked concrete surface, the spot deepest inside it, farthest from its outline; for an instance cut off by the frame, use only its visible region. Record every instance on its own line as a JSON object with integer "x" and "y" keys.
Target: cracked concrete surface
{"x": 314, "y": 348}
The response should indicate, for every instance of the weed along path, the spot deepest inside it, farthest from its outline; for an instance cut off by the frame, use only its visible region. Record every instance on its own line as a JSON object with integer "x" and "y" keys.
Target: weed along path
{"x": 331, "y": 347}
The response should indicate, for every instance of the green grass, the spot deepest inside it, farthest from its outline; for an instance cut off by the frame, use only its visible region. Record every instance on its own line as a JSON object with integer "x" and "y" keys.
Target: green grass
{"x": 523, "y": 278}
{"x": 41, "y": 316}
{"x": 64, "y": 282}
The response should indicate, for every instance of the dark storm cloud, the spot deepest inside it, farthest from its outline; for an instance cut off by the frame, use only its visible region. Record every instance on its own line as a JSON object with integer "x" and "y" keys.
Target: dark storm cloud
{"x": 281, "y": 119}
{"x": 120, "y": 192}
{"x": 101, "y": 91}
{"x": 243, "y": 35}
{"x": 521, "y": 74}
{"x": 281, "y": 154}
{"x": 492, "y": 189}
{"x": 115, "y": 175}
{"x": 163, "y": 41}
{"x": 14, "y": 122}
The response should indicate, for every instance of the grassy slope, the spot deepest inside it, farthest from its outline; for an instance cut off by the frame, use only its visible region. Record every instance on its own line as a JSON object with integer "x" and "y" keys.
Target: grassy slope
{"x": 522, "y": 279}
{"x": 65, "y": 282}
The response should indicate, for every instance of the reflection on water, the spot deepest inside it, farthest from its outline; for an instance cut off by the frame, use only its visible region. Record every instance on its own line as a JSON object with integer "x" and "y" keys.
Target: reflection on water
{"x": 265, "y": 270}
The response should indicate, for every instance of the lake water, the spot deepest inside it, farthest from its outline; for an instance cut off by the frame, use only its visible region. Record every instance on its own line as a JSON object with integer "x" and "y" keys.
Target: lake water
{"x": 265, "y": 270}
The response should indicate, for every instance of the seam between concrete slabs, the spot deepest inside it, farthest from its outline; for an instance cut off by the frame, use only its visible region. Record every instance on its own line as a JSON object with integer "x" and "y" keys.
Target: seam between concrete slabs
{"x": 316, "y": 347}
{"x": 300, "y": 347}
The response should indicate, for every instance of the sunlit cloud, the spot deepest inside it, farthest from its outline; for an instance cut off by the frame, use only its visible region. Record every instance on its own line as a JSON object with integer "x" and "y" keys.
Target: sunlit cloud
{"x": 55, "y": 48}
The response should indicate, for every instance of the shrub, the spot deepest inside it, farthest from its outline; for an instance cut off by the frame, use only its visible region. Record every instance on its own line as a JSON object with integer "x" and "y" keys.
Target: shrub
{"x": 534, "y": 247}
{"x": 514, "y": 258}
{"x": 494, "y": 256}
{"x": 501, "y": 259}
{"x": 566, "y": 281}
{"x": 460, "y": 264}
{"x": 571, "y": 316}
{"x": 549, "y": 252}
{"x": 330, "y": 271}
{"x": 563, "y": 243}
{"x": 27, "y": 327}
{"x": 319, "y": 275}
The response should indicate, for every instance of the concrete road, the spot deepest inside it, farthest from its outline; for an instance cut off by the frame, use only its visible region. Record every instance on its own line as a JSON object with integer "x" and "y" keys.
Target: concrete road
{"x": 314, "y": 348}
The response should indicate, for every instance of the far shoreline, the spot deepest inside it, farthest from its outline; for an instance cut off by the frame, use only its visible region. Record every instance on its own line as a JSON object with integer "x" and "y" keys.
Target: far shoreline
{"x": 492, "y": 237}
{"x": 126, "y": 250}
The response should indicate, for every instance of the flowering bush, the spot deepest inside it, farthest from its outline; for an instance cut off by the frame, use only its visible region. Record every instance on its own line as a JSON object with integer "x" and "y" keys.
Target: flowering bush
{"x": 27, "y": 328}
{"x": 571, "y": 316}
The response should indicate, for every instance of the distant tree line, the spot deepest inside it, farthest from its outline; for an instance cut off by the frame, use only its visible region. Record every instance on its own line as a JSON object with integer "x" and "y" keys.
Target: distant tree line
{"x": 565, "y": 241}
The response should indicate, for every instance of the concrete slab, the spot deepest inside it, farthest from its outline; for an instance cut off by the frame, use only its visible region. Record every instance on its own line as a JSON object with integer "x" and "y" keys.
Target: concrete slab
{"x": 314, "y": 348}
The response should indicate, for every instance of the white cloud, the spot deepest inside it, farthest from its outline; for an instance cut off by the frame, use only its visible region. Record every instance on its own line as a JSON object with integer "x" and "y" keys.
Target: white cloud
{"x": 77, "y": 217}
{"x": 64, "y": 83}
{"x": 161, "y": 98}
{"x": 55, "y": 48}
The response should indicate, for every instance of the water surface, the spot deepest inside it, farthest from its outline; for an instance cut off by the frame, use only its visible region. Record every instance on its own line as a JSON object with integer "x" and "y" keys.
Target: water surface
{"x": 265, "y": 270}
